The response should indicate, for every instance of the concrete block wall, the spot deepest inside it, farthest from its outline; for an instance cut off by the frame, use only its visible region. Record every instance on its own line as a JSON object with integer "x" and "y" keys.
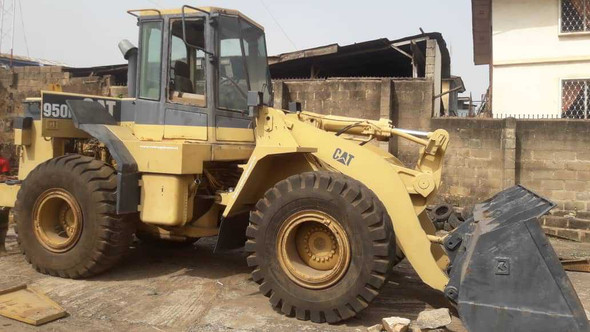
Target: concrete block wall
{"x": 31, "y": 80}
{"x": 554, "y": 158}
{"x": 24, "y": 82}
{"x": 356, "y": 98}
{"x": 567, "y": 227}
{"x": 550, "y": 157}
{"x": 404, "y": 101}
{"x": 474, "y": 163}
{"x": 411, "y": 109}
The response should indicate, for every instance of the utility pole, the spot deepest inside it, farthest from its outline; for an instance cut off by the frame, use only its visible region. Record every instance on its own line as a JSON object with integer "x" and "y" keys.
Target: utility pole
{"x": 12, "y": 32}
{"x": 1, "y": 23}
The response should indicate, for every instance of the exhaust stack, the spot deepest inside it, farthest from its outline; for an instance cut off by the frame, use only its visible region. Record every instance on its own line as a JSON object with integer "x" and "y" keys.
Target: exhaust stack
{"x": 129, "y": 51}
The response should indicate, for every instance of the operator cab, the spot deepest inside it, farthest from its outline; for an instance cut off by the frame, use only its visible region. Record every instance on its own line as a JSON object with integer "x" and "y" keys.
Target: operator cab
{"x": 195, "y": 67}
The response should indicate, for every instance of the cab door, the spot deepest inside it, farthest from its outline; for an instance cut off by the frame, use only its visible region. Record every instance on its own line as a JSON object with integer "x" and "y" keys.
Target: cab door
{"x": 232, "y": 123}
{"x": 185, "y": 114}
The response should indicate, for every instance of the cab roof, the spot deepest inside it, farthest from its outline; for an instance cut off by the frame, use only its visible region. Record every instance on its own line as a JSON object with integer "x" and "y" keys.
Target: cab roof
{"x": 178, "y": 11}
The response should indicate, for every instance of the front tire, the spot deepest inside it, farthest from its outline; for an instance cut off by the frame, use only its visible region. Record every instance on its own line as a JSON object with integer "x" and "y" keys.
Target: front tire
{"x": 321, "y": 245}
{"x": 66, "y": 218}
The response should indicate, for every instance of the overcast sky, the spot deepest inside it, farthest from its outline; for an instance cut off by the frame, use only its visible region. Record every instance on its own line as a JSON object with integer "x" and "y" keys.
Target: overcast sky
{"x": 86, "y": 32}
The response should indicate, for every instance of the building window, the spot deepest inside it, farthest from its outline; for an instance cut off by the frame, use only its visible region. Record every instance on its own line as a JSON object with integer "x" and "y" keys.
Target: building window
{"x": 575, "y": 99}
{"x": 575, "y": 16}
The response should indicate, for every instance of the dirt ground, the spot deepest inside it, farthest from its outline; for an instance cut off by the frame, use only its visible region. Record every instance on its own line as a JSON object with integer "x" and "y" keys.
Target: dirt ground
{"x": 196, "y": 290}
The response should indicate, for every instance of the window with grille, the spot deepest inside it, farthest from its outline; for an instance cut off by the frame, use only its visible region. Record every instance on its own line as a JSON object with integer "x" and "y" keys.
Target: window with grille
{"x": 575, "y": 16}
{"x": 575, "y": 99}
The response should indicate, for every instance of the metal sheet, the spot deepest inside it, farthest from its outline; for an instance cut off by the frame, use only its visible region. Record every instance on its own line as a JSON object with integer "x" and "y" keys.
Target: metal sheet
{"x": 504, "y": 274}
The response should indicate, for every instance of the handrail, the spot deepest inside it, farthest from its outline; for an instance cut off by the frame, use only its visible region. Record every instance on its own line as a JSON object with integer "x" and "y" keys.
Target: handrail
{"x": 194, "y": 8}
{"x": 184, "y": 29}
{"x": 133, "y": 11}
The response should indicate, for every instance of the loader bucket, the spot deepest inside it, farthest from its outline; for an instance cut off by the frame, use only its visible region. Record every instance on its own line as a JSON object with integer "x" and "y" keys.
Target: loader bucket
{"x": 504, "y": 273}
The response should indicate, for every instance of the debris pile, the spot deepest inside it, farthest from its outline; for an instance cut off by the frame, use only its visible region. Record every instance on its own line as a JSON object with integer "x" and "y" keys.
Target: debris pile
{"x": 428, "y": 320}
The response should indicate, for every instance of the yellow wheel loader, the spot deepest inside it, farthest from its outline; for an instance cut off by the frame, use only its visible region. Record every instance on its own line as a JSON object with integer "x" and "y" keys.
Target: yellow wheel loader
{"x": 197, "y": 150}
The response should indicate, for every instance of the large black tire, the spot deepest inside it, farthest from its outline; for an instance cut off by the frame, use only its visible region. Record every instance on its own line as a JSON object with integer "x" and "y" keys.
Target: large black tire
{"x": 366, "y": 224}
{"x": 104, "y": 237}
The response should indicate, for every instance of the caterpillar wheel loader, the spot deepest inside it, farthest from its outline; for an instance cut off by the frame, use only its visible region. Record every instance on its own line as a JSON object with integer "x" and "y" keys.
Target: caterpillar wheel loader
{"x": 198, "y": 150}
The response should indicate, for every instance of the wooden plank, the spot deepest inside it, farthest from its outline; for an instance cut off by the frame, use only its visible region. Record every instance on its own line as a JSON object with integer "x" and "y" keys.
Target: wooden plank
{"x": 29, "y": 305}
{"x": 576, "y": 265}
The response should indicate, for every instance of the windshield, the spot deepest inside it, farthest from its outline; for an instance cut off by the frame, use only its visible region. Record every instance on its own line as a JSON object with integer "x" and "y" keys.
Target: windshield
{"x": 243, "y": 63}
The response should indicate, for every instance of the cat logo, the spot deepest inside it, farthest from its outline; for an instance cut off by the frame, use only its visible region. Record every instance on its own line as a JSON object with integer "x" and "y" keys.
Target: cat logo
{"x": 342, "y": 157}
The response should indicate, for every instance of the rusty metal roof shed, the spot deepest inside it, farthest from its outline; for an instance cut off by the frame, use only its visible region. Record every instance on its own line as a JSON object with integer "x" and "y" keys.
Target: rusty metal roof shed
{"x": 375, "y": 58}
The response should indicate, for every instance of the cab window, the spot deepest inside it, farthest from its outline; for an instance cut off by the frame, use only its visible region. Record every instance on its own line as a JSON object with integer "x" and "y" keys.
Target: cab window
{"x": 187, "y": 64}
{"x": 151, "y": 60}
{"x": 233, "y": 75}
{"x": 243, "y": 63}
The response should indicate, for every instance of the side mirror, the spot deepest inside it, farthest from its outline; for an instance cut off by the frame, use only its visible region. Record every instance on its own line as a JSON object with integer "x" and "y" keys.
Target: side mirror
{"x": 254, "y": 103}
{"x": 294, "y": 106}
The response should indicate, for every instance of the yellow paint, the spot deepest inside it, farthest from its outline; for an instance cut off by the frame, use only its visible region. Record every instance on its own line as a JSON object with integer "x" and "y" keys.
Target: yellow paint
{"x": 442, "y": 260}
{"x": 206, "y": 225}
{"x": 265, "y": 168}
{"x": 62, "y": 128}
{"x": 234, "y": 134}
{"x": 8, "y": 195}
{"x": 278, "y": 133}
{"x": 185, "y": 132}
{"x": 167, "y": 200}
{"x": 80, "y": 95}
{"x": 22, "y": 137}
{"x": 145, "y": 132}
{"x": 222, "y": 152}
{"x": 40, "y": 150}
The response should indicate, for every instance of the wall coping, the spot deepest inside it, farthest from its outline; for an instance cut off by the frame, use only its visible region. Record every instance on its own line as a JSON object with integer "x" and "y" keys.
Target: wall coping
{"x": 368, "y": 79}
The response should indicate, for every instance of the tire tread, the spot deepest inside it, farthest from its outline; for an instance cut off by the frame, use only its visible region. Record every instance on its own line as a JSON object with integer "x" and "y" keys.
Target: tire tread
{"x": 374, "y": 218}
{"x": 115, "y": 231}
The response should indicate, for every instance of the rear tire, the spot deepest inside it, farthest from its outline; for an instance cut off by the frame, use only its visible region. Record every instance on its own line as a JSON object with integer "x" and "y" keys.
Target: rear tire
{"x": 66, "y": 218}
{"x": 306, "y": 207}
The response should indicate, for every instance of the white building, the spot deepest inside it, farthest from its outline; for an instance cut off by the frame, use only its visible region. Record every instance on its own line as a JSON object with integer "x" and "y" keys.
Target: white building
{"x": 539, "y": 56}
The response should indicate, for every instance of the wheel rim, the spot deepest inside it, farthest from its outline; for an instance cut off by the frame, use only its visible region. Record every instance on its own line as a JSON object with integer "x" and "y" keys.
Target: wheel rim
{"x": 313, "y": 249}
{"x": 57, "y": 220}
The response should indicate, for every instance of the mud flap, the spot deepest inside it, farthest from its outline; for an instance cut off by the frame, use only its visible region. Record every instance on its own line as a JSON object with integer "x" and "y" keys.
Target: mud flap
{"x": 232, "y": 232}
{"x": 504, "y": 273}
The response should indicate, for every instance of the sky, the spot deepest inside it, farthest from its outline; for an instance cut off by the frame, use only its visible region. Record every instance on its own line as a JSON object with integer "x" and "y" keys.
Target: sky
{"x": 86, "y": 32}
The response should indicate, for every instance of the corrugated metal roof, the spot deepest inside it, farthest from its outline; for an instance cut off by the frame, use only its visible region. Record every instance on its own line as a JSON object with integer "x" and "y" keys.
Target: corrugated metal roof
{"x": 371, "y": 58}
{"x": 20, "y": 60}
